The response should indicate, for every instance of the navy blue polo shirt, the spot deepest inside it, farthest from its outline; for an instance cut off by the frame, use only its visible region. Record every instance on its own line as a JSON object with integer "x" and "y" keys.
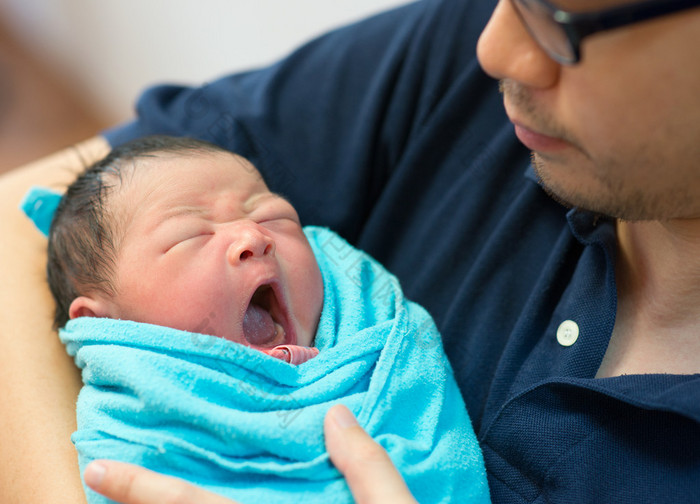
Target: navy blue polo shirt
{"x": 388, "y": 132}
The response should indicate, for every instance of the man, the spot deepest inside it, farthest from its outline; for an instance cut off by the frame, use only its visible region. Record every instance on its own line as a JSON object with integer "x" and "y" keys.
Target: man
{"x": 573, "y": 334}
{"x": 618, "y": 134}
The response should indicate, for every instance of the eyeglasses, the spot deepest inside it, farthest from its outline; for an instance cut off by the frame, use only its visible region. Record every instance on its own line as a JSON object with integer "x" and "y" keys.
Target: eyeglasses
{"x": 560, "y": 32}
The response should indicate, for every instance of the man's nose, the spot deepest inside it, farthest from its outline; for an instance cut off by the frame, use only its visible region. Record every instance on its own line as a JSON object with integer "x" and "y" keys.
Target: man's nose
{"x": 507, "y": 51}
{"x": 248, "y": 242}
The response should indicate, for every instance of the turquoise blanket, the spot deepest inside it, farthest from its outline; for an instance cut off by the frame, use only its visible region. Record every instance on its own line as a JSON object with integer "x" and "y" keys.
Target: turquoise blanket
{"x": 248, "y": 426}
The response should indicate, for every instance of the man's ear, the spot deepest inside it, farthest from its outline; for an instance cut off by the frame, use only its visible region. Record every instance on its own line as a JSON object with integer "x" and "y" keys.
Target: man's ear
{"x": 85, "y": 306}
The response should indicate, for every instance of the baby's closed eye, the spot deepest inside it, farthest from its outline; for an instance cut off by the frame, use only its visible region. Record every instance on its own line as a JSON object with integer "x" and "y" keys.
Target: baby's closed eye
{"x": 274, "y": 209}
{"x": 190, "y": 238}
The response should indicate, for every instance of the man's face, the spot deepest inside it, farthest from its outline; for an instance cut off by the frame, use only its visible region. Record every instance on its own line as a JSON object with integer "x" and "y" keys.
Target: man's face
{"x": 618, "y": 133}
{"x": 208, "y": 248}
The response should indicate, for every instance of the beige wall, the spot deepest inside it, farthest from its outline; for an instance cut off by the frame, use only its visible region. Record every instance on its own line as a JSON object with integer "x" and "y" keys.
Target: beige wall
{"x": 110, "y": 49}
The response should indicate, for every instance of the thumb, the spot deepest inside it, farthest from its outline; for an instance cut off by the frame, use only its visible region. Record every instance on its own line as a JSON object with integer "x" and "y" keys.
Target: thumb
{"x": 366, "y": 466}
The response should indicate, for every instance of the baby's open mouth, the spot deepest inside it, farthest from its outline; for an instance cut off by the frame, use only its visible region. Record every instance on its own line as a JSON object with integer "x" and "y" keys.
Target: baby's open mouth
{"x": 265, "y": 319}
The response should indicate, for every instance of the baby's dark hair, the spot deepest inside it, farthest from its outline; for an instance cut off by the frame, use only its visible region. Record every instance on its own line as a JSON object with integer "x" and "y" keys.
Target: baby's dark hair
{"x": 84, "y": 237}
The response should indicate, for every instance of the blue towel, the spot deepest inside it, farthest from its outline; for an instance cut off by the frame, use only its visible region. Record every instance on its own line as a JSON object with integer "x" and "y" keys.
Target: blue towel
{"x": 248, "y": 426}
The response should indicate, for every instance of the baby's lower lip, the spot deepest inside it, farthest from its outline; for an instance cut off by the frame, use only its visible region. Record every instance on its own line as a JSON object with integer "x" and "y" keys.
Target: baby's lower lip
{"x": 538, "y": 142}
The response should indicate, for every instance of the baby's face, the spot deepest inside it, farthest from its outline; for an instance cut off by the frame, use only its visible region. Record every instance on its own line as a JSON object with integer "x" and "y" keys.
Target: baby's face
{"x": 208, "y": 248}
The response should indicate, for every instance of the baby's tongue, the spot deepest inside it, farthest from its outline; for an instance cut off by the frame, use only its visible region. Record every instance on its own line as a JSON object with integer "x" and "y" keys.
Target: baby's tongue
{"x": 258, "y": 327}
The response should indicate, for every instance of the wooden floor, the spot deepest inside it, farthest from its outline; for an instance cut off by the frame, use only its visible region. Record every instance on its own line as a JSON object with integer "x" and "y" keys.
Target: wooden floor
{"x": 39, "y": 112}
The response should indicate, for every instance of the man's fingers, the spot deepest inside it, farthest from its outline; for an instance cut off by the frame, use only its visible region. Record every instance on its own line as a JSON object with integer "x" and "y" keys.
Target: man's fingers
{"x": 130, "y": 484}
{"x": 366, "y": 466}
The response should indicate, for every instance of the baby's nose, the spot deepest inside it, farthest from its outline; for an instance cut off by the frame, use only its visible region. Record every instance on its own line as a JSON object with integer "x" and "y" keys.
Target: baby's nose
{"x": 249, "y": 242}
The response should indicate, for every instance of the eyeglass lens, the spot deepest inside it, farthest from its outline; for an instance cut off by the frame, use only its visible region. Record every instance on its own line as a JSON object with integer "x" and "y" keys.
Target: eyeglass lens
{"x": 537, "y": 18}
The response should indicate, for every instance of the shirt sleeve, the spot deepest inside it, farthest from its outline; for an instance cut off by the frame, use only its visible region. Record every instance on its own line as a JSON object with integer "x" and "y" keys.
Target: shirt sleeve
{"x": 327, "y": 125}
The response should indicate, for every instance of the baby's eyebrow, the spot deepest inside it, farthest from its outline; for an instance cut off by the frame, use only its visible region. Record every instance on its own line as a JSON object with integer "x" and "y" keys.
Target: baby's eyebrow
{"x": 261, "y": 196}
{"x": 278, "y": 195}
{"x": 179, "y": 211}
{"x": 184, "y": 210}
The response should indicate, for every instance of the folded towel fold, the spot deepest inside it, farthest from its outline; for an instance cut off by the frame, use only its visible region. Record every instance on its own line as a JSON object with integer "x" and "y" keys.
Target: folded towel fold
{"x": 294, "y": 354}
{"x": 248, "y": 426}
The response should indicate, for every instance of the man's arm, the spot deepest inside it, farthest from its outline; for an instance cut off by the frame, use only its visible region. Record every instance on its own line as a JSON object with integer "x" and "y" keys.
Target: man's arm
{"x": 39, "y": 382}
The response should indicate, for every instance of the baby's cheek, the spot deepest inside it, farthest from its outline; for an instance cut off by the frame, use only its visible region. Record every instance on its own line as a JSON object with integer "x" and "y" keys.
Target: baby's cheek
{"x": 314, "y": 296}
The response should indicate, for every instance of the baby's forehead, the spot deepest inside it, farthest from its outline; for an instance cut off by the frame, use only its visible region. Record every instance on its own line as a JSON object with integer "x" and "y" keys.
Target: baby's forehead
{"x": 201, "y": 164}
{"x": 193, "y": 178}
{"x": 166, "y": 171}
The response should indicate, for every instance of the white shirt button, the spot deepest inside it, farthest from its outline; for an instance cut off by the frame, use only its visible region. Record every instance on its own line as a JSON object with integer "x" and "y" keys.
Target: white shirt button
{"x": 567, "y": 333}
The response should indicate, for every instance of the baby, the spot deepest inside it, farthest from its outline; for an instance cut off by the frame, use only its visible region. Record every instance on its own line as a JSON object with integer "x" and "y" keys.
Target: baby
{"x": 135, "y": 243}
{"x": 175, "y": 269}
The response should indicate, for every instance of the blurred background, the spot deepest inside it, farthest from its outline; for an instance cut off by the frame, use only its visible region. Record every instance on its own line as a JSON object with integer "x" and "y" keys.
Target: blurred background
{"x": 70, "y": 68}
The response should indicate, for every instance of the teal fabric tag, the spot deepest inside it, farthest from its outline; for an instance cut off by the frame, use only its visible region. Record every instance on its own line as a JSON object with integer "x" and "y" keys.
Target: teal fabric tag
{"x": 39, "y": 204}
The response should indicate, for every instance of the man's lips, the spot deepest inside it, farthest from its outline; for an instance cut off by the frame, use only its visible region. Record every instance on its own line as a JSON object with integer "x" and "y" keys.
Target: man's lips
{"x": 533, "y": 137}
{"x": 538, "y": 142}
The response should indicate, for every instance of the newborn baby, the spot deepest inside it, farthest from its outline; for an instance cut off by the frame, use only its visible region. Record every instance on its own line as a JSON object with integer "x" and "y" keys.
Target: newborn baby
{"x": 175, "y": 270}
{"x": 190, "y": 238}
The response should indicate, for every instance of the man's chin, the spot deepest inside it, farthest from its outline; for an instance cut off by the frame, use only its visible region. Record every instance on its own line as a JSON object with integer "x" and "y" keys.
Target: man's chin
{"x": 624, "y": 203}
{"x": 572, "y": 194}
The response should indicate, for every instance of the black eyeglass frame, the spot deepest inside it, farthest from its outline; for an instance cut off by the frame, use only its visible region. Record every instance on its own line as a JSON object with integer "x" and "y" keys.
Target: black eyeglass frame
{"x": 579, "y": 25}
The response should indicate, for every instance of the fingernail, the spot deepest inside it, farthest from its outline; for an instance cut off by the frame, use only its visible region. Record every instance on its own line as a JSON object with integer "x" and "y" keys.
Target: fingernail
{"x": 94, "y": 473}
{"x": 343, "y": 417}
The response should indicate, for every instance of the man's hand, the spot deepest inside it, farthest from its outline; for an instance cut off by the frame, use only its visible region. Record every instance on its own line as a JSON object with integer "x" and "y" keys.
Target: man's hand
{"x": 366, "y": 466}
{"x": 131, "y": 484}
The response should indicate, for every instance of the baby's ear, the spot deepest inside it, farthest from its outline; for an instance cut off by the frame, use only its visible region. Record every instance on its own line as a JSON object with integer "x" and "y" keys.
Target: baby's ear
{"x": 85, "y": 306}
